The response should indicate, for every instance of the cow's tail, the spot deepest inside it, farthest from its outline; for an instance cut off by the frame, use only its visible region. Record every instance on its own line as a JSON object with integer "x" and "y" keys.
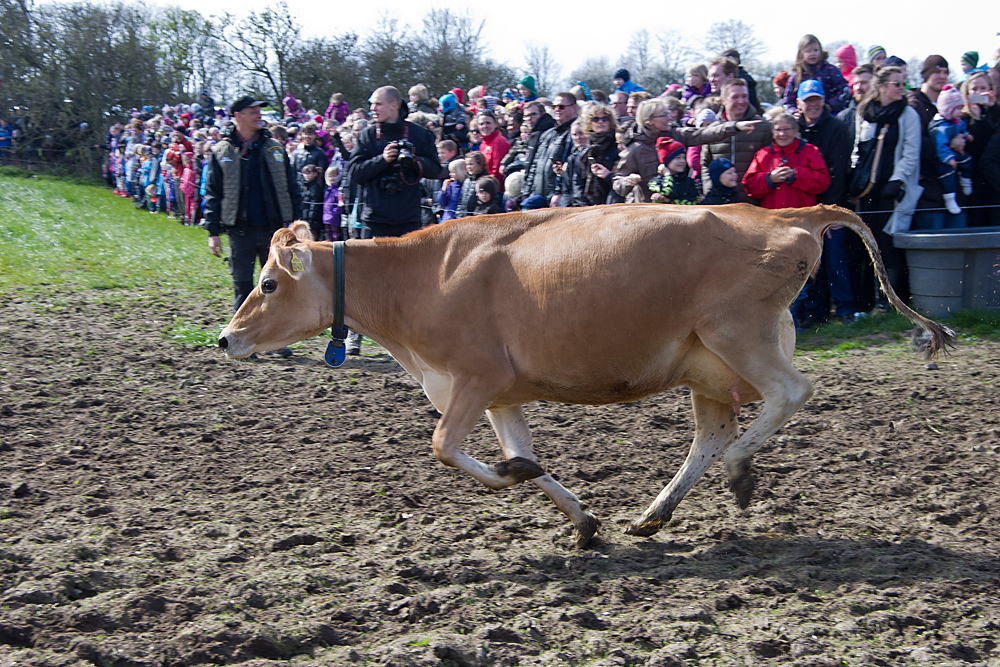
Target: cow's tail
{"x": 937, "y": 337}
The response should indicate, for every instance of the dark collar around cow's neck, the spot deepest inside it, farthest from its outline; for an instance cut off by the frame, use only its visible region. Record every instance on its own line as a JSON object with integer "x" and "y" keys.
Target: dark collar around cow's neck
{"x": 335, "y": 351}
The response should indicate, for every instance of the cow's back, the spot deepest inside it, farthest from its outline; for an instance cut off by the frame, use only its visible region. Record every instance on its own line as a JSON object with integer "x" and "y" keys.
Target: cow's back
{"x": 610, "y": 298}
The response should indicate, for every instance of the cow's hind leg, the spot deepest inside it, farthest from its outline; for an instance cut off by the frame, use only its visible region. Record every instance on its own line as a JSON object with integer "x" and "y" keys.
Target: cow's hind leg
{"x": 515, "y": 439}
{"x": 768, "y": 369}
{"x": 715, "y": 429}
{"x": 467, "y": 401}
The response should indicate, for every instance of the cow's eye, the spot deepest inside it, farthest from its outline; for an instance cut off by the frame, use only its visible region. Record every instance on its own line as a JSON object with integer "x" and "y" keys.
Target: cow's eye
{"x": 269, "y": 286}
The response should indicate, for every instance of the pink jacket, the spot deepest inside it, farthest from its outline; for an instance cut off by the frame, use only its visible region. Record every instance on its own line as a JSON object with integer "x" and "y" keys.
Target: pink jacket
{"x": 189, "y": 181}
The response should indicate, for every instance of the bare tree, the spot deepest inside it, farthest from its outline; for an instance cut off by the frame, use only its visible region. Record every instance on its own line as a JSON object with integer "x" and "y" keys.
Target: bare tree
{"x": 262, "y": 44}
{"x": 596, "y": 72}
{"x": 733, "y": 34}
{"x": 542, "y": 65}
{"x": 639, "y": 57}
{"x": 389, "y": 55}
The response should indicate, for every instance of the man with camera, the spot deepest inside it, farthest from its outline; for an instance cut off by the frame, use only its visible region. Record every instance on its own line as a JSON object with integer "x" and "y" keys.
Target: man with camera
{"x": 388, "y": 161}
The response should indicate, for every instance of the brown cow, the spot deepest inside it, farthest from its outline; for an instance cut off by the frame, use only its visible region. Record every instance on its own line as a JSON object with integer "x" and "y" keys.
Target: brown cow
{"x": 489, "y": 313}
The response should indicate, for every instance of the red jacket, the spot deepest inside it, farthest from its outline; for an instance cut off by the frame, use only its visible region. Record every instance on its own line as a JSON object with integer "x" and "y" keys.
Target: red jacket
{"x": 175, "y": 155}
{"x": 811, "y": 176}
{"x": 494, "y": 148}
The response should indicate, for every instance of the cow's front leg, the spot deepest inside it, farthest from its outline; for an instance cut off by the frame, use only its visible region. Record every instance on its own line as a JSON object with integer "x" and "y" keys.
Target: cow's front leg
{"x": 515, "y": 439}
{"x": 715, "y": 430}
{"x": 468, "y": 399}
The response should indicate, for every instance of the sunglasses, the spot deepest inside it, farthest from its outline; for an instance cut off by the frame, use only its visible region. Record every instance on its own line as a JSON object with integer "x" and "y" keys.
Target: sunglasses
{"x": 562, "y": 106}
{"x": 601, "y": 119}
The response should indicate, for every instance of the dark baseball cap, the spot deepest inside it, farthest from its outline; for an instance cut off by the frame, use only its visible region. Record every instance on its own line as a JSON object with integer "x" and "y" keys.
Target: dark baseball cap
{"x": 245, "y": 102}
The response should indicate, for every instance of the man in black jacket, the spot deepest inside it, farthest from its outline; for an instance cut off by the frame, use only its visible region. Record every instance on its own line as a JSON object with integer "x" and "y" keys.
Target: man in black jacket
{"x": 250, "y": 192}
{"x": 388, "y": 161}
{"x": 554, "y": 148}
{"x": 387, "y": 171}
{"x": 831, "y": 138}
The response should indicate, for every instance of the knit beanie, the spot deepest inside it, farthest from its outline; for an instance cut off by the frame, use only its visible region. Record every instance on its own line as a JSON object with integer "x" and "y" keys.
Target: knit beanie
{"x": 448, "y": 102}
{"x": 894, "y": 61}
{"x": 477, "y": 91}
{"x": 874, "y": 50}
{"x": 704, "y": 115}
{"x": 529, "y": 83}
{"x": 459, "y": 95}
{"x": 622, "y": 74}
{"x": 667, "y": 149}
{"x": 715, "y": 170}
{"x": 508, "y": 92}
{"x": 931, "y": 63}
{"x": 948, "y": 101}
{"x": 971, "y": 58}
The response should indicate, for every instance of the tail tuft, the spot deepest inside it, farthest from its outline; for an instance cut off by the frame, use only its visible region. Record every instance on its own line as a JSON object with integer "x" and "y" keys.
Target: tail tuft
{"x": 932, "y": 338}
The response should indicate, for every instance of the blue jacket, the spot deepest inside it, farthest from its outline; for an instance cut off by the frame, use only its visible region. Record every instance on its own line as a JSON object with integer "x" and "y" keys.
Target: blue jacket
{"x": 629, "y": 87}
{"x": 449, "y": 200}
{"x": 942, "y": 131}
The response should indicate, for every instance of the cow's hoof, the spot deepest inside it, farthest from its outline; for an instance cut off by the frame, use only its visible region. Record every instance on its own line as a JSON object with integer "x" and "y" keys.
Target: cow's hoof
{"x": 742, "y": 487}
{"x": 519, "y": 468}
{"x": 586, "y": 529}
{"x": 645, "y": 529}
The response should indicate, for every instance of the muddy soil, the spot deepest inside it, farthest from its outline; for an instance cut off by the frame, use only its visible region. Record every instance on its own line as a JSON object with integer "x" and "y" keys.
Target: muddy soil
{"x": 161, "y": 506}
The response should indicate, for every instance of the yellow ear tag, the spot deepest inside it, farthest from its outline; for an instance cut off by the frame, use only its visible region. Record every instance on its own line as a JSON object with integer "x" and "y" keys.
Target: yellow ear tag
{"x": 297, "y": 263}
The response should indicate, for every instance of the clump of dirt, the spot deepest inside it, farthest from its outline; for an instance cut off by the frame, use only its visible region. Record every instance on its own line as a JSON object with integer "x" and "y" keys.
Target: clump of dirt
{"x": 162, "y": 506}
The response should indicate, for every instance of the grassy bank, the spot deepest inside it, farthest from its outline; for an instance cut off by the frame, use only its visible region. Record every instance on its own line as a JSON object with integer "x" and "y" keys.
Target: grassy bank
{"x": 58, "y": 236}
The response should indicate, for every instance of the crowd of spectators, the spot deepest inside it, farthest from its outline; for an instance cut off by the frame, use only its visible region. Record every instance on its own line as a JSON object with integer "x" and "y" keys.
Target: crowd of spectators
{"x": 841, "y": 133}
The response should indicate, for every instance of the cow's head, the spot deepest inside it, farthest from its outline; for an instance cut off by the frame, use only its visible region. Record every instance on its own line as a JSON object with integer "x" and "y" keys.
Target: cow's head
{"x": 292, "y": 299}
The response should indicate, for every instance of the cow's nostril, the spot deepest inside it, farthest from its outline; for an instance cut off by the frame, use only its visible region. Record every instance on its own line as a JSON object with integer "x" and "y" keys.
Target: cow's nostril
{"x": 224, "y": 343}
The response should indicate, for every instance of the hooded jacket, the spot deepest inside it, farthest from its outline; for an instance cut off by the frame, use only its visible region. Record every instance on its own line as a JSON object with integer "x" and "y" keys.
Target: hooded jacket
{"x": 808, "y": 180}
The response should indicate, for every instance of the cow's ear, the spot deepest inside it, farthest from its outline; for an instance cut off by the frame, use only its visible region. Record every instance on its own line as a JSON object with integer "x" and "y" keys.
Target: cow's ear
{"x": 301, "y": 230}
{"x": 294, "y": 260}
{"x": 283, "y": 237}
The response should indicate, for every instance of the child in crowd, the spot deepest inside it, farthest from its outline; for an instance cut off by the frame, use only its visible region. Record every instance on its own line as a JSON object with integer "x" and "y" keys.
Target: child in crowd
{"x": 332, "y": 209}
{"x": 312, "y": 200}
{"x": 954, "y": 166}
{"x": 189, "y": 186}
{"x": 673, "y": 185}
{"x": 133, "y": 174}
{"x": 451, "y": 190}
{"x": 704, "y": 118}
{"x": 475, "y": 168}
{"x": 811, "y": 63}
{"x": 696, "y": 83}
{"x": 121, "y": 187}
{"x": 725, "y": 183}
{"x": 512, "y": 191}
{"x": 487, "y": 189}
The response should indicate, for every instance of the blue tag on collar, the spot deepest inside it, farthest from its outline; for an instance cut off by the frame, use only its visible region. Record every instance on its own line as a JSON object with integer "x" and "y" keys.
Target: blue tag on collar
{"x": 335, "y": 354}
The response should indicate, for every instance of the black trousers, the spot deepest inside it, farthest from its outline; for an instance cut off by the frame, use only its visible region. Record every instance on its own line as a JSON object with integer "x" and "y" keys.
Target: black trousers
{"x": 245, "y": 249}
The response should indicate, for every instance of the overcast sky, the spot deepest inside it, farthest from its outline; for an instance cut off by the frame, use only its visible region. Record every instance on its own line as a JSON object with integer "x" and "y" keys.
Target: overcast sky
{"x": 574, "y": 31}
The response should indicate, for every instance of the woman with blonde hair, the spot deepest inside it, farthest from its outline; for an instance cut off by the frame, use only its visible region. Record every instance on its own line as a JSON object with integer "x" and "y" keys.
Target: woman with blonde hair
{"x": 598, "y": 158}
{"x": 982, "y": 114}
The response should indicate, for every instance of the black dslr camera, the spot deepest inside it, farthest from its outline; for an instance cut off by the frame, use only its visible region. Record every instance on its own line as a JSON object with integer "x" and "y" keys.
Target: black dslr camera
{"x": 405, "y": 158}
